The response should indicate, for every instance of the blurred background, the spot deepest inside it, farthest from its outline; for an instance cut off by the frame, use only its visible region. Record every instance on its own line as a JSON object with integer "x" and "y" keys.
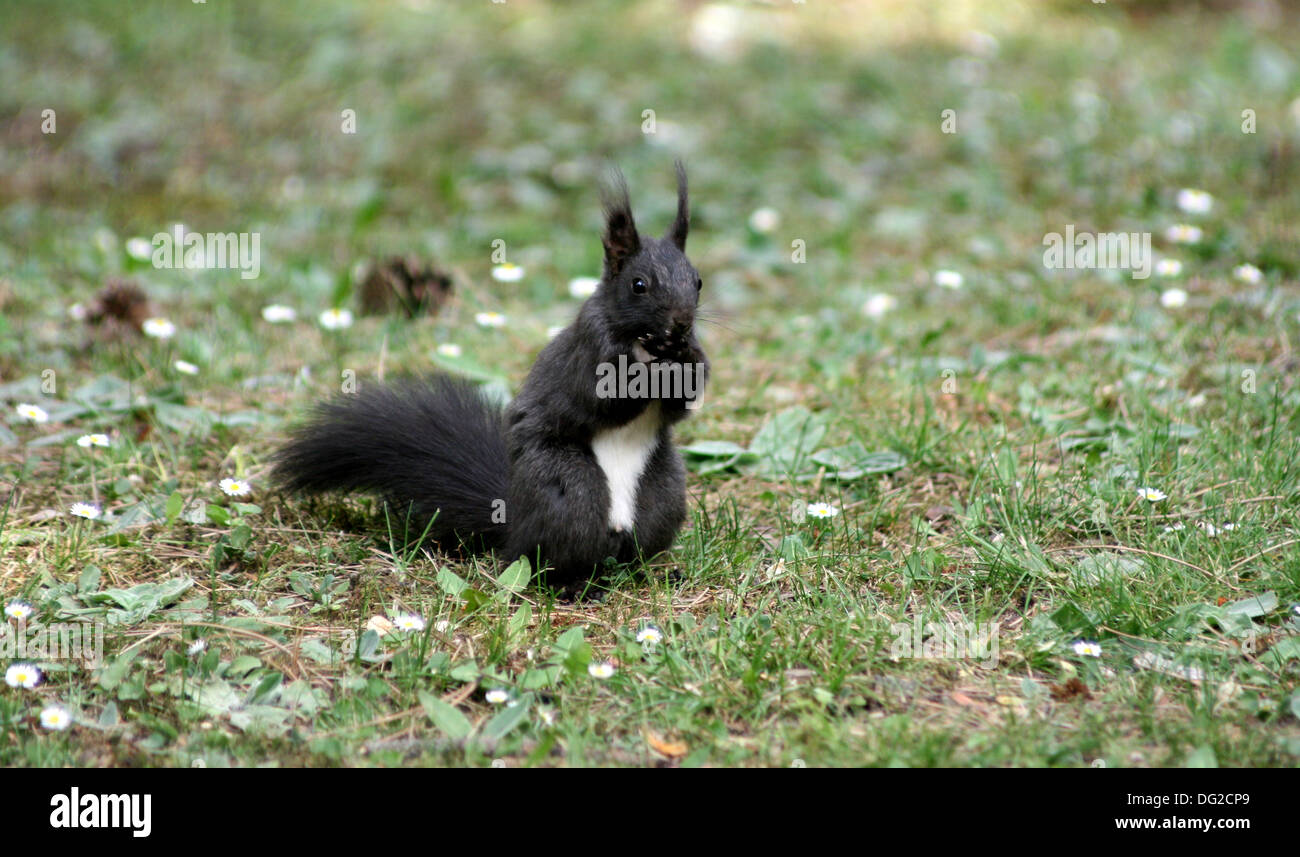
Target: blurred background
{"x": 483, "y": 121}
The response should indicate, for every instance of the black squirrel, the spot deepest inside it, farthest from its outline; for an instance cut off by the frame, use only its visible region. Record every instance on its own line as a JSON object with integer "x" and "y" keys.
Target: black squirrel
{"x": 577, "y": 469}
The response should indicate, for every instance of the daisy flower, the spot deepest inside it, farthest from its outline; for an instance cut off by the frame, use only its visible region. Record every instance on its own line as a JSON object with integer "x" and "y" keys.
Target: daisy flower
{"x": 1151, "y": 495}
{"x": 197, "y": 647}
{"x": 55, "y": 718}
{"x": 450, "y": 349}
{"x": 1213, "y": 531}
{"x": 335, "y": 319}
{"x": 235, "y": 487}
{"x": 583, "y": 287}
{"x": 77, "y": 312}
{"x": 18, "y": 610}
{"x": 1195, "y": 201}
{"x": 1173, "y": 298}
{"x": 764, "y": 220}
{"x": 185, "y": 367}
{"x": 140, "y": 249}
{"x": 86, "y": 441}
{"x": 1088, "y": 648}
{"x": 879, "y": 304}
{"x": 497, "y": 696}
{"x": 650, "y": 634}
{"x": 408, "y": 622}
{"x": 547, "y": 715}
{"x": 32, "y": 413}
{"x": 23, "y": 675}
{"x": 490, "y": 319}
{"x": 85, "y": 510}
{"x": 279, "y": 313}
{"x": 822, "y": 510}
{"x": 949, "y": 279}
{"x": 601, "y": 670}
{"x": 158, "y": 328}
{"x": 1248, "y": 273}
{"x": 507, "y": 273}
{"x": 1182, "y": 233}
{"x": 1169, "y": 267}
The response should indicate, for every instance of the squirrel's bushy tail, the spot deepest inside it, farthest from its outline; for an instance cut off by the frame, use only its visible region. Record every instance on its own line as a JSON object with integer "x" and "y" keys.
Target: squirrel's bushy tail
{"x": 432, "y": 447}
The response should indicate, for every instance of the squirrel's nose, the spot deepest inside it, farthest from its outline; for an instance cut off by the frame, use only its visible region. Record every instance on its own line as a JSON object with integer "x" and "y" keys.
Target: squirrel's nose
{"x": 682, "y": 324}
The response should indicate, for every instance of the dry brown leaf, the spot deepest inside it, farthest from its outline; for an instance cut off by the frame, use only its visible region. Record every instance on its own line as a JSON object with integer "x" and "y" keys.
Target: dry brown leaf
{"x": 664, "y": 747}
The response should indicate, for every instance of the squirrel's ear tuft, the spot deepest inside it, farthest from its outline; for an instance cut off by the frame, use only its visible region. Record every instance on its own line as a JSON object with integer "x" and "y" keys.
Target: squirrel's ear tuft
{"x": 620, "y": 239}
{"x": 682, "y": 224}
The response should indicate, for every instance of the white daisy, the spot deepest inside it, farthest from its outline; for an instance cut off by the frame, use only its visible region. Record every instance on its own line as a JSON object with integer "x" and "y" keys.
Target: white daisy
{"x": 1151, "y": 495}
{"x": 18, "y": 610}
{"x": 1169, "y": 267}
{"x": 408, "y": 622}
{"x": 197, "y": 647}
{"x": 650, "y": 634}
{"x": 497, "y": 696}
{"x": 601, "y": 670}
{"x": 23, "y": 675}
{"x": 490, "y": 319}
{"x": 879, "y": 304}
{"x": 1248, "y": 273}
{"x": 822, "y": 510}
{"x": 140, "y": 249}
{"x": 77, "y": 312}
{"x": 55, "y": 718}
{"x": 85, "y": 510}
{"x": 507, "y": 273}
{"x": 335, "y": 319}
{"x": 1195, "y": 201}
{"x": 949, "y": 279}
{"x": 279, "y": 313}
{"x": 32, "y": 413}
{"x": 764, "y": 220}
{"x": 583, "y": 287}
{"x": 158, "y": 328}
{"x": 1087, "y": 648}
{"x": 1173, "y": 298}
{"x": 1213, "y": 531}
{"x": 86, "y": 441}
{"x": 1182, "y": 233}
{"x": 185, "y": 367}
{"x": 450, "y": 349}
{"x": 547, "y": 715}
{"x": 235, "y": 487}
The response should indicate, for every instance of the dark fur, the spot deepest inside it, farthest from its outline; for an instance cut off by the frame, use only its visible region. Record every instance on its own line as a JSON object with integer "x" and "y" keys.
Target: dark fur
{"x": 436, "y": 446}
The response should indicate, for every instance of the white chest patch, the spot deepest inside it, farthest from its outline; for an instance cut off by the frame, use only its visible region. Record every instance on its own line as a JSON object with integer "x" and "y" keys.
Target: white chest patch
{"x": 622, "y": 453}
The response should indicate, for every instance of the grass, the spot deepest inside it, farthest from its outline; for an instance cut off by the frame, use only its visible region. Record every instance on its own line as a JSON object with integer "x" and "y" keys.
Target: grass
{"x": 984, "y": 445}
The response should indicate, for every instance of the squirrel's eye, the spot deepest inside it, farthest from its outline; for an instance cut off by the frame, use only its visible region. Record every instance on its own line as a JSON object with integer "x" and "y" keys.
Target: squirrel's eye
{"x": 699, "y": 284}
{"x": 638, "y": 286}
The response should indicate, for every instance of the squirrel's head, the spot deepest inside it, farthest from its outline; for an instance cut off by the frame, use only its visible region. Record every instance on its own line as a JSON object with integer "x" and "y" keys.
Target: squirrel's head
{"x": 649, "y": 290}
